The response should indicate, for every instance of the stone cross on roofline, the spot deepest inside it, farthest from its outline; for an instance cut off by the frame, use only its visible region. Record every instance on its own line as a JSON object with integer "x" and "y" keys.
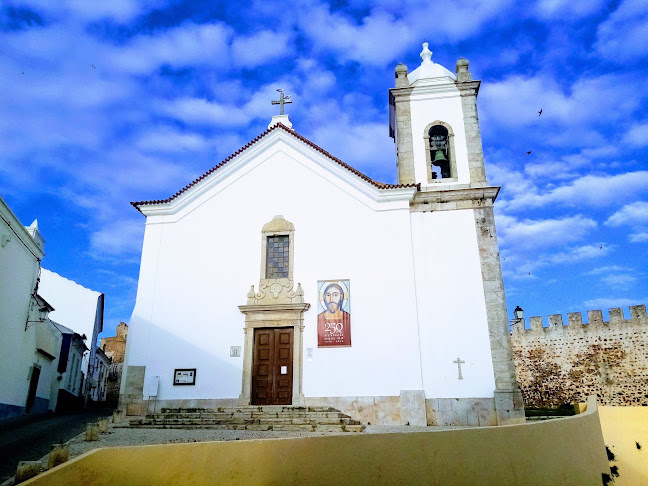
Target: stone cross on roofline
{"x": 281, "y": 118}
{"x": 282, "y": 101}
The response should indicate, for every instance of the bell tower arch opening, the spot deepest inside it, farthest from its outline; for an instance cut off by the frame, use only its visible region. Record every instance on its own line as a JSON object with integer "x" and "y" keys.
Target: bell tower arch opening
{"x": 440, "y": 155}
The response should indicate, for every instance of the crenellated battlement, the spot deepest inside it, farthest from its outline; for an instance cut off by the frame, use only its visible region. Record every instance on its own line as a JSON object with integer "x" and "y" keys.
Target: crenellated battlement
{"x": 575, "y": 321}
{"x": 564, "y": 362}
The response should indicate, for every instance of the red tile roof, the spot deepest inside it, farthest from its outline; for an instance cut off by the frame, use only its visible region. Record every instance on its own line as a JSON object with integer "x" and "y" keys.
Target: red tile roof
{"x": 379, "y": 185}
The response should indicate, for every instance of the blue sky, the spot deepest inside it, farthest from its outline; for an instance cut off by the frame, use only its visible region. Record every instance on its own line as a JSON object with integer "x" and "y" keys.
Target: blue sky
{"x": 103, "y": 103}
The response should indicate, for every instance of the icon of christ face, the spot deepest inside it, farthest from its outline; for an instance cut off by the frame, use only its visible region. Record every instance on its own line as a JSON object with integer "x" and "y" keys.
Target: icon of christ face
{"x": 333, "y": 297}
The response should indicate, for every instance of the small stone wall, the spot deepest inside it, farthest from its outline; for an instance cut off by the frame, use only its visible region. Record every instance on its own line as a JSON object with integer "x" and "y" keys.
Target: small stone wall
{"x": 551, "y": 452}
{"x": 566, "y": 363}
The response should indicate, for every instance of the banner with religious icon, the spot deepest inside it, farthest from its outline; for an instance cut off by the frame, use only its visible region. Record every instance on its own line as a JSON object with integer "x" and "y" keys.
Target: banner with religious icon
{"x": 333, "y": 313}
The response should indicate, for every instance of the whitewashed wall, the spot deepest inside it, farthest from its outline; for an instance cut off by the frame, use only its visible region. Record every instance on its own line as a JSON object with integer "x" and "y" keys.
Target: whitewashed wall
{"x": 18, "y": 273}
{"x": 430, "y": 103}
{"x": 451, "y": 305}
{"x": 199, "y": 260}
{"x": 75, "y": 306}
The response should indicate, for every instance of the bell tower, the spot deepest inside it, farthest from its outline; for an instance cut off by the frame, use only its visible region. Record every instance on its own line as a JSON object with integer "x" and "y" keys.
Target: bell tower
{"x": 434, "y": 123}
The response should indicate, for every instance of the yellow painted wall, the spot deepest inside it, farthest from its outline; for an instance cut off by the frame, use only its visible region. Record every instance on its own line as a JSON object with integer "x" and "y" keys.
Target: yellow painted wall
{"x": 622, "y": 428}
{"x": 563, "y": 452}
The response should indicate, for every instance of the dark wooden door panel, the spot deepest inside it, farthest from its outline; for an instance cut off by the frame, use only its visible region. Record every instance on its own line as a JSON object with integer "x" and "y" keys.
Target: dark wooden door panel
{"x": 272, "y": 367}
{"x": 262, "y": 367}
{"x": 282, "y": 393}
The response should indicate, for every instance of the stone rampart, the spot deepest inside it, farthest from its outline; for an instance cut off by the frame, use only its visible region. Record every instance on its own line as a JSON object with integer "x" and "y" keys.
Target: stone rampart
{"x": 567, "y": 362}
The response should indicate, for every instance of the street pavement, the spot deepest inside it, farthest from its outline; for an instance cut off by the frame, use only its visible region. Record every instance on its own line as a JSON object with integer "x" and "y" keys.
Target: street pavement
{"x": 28, "y": 438}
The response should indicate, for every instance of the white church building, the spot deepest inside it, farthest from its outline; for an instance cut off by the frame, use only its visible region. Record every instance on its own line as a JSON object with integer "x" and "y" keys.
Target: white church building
{"x": 283, "y": 276}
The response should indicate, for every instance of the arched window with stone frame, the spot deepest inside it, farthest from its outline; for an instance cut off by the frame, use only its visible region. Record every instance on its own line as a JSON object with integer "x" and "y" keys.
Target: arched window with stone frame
{"x": 277, "y": 249}
{"x": 440, "y": 152}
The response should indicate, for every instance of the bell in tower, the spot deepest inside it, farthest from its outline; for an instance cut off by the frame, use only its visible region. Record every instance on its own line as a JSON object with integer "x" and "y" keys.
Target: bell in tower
{"x": 439, "y": 152}
{"x": 435, "y": 126}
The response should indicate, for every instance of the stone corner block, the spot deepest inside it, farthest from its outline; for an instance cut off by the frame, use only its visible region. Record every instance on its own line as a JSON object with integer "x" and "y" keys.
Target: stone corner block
{"x": 134, "y": 409}
{"x": 509, "y": 407}
{"x": 412, "y": 405}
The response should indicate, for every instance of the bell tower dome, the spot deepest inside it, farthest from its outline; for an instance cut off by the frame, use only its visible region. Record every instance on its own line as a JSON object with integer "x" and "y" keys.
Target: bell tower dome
{"x": 434, "y": 123}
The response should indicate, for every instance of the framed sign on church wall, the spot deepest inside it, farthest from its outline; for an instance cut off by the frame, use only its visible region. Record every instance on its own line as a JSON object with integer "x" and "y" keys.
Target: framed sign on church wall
{"x": 334, "y": 313}
{"x": 184, "y": 376}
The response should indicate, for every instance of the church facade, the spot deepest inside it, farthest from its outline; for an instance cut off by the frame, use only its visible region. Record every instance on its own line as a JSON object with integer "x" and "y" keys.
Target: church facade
{"x": 283, "y": 276}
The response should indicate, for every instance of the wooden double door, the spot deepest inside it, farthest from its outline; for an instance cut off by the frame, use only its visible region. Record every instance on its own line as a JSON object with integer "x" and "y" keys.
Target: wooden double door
{"x": 272, "y": 366}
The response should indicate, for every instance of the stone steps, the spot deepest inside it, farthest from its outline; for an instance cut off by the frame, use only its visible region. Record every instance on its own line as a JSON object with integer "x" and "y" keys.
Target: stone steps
{"x": 257, "y": 427}
{"x": 275, "y": 418}
{"x": 251, "y": 408}
{"x": 246, "y": 416}
{"x": 268, "y": 421}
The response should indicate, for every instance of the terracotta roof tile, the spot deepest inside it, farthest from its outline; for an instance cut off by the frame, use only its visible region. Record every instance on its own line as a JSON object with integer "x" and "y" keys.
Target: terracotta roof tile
{"x": 380, "y": 185}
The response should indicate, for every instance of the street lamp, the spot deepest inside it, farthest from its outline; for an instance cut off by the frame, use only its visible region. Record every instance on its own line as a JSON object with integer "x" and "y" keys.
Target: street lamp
{"x": 41, "y": 314}
{"x": 518, "y": 312}
{"x": 518, "y": 316}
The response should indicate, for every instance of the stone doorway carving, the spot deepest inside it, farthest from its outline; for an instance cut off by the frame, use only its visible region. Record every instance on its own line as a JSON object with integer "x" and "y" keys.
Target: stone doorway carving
{"x": 259, "y": 316}
{"x": 276, "y": 305}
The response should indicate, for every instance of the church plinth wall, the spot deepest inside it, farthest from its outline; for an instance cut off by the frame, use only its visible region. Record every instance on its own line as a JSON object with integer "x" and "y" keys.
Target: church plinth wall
{"x": 569, "y": 361}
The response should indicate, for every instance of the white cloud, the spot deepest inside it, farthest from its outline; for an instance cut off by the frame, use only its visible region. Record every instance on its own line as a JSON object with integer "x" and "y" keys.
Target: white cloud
{"x": 641, "y": 237}
{"x": 118, "y": 238}
{"x": 545, "y": 232}
{"x": 565, "y": 167}
{"x": 523, "y": 265}
{"x": 260, "y": 48}
{"x": 571, "y": 9}
{"x": 623, "y": 37}
{"x": 186, "y": 45}
{"x": 224, "y": 114}
{"x": 391, "y": 29}
{"x": 607, "y": 269}
{"x": 119, "y": 10}
{"x": 635, "y": 213}
{"x": 637, "y": 136}
{"x": 362, "y": 146}
{"x": 516, "y": 100}
{"x": 167, "y": 139}
{"x": 376, "y": 40}
{"x": 589, "y": 190}
{"x": 613, "y": 302}
{"x": 622, "y": 281}
{"x": 584, "y": 252}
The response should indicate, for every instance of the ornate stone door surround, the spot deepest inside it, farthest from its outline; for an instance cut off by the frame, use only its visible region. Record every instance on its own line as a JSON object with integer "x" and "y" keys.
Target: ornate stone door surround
{"x": 275, "y": 305}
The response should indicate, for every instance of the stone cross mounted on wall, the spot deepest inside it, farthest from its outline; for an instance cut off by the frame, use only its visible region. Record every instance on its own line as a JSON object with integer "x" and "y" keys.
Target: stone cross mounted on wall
{"x": 459, "y": 363}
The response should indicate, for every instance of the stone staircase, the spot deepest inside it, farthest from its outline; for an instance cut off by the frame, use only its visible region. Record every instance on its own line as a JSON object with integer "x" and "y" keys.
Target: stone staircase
{"x": 275, "y": 418}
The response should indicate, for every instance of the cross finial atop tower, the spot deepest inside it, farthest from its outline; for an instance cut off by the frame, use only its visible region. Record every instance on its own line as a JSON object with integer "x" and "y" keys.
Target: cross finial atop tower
{"x": 426, "y": 54}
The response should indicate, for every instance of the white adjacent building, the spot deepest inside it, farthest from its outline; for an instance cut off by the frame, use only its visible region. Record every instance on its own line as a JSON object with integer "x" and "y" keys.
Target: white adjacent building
{"x": 29, "y": 343}
{"x": 284, "y": 276}
{"x": 70, "y": 374}
{"x": 81, "y": 310}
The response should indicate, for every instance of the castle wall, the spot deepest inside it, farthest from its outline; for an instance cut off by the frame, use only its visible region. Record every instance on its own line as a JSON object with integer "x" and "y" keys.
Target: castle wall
{"x": 566, "y": 362}
{"x": 115, "y": 348}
